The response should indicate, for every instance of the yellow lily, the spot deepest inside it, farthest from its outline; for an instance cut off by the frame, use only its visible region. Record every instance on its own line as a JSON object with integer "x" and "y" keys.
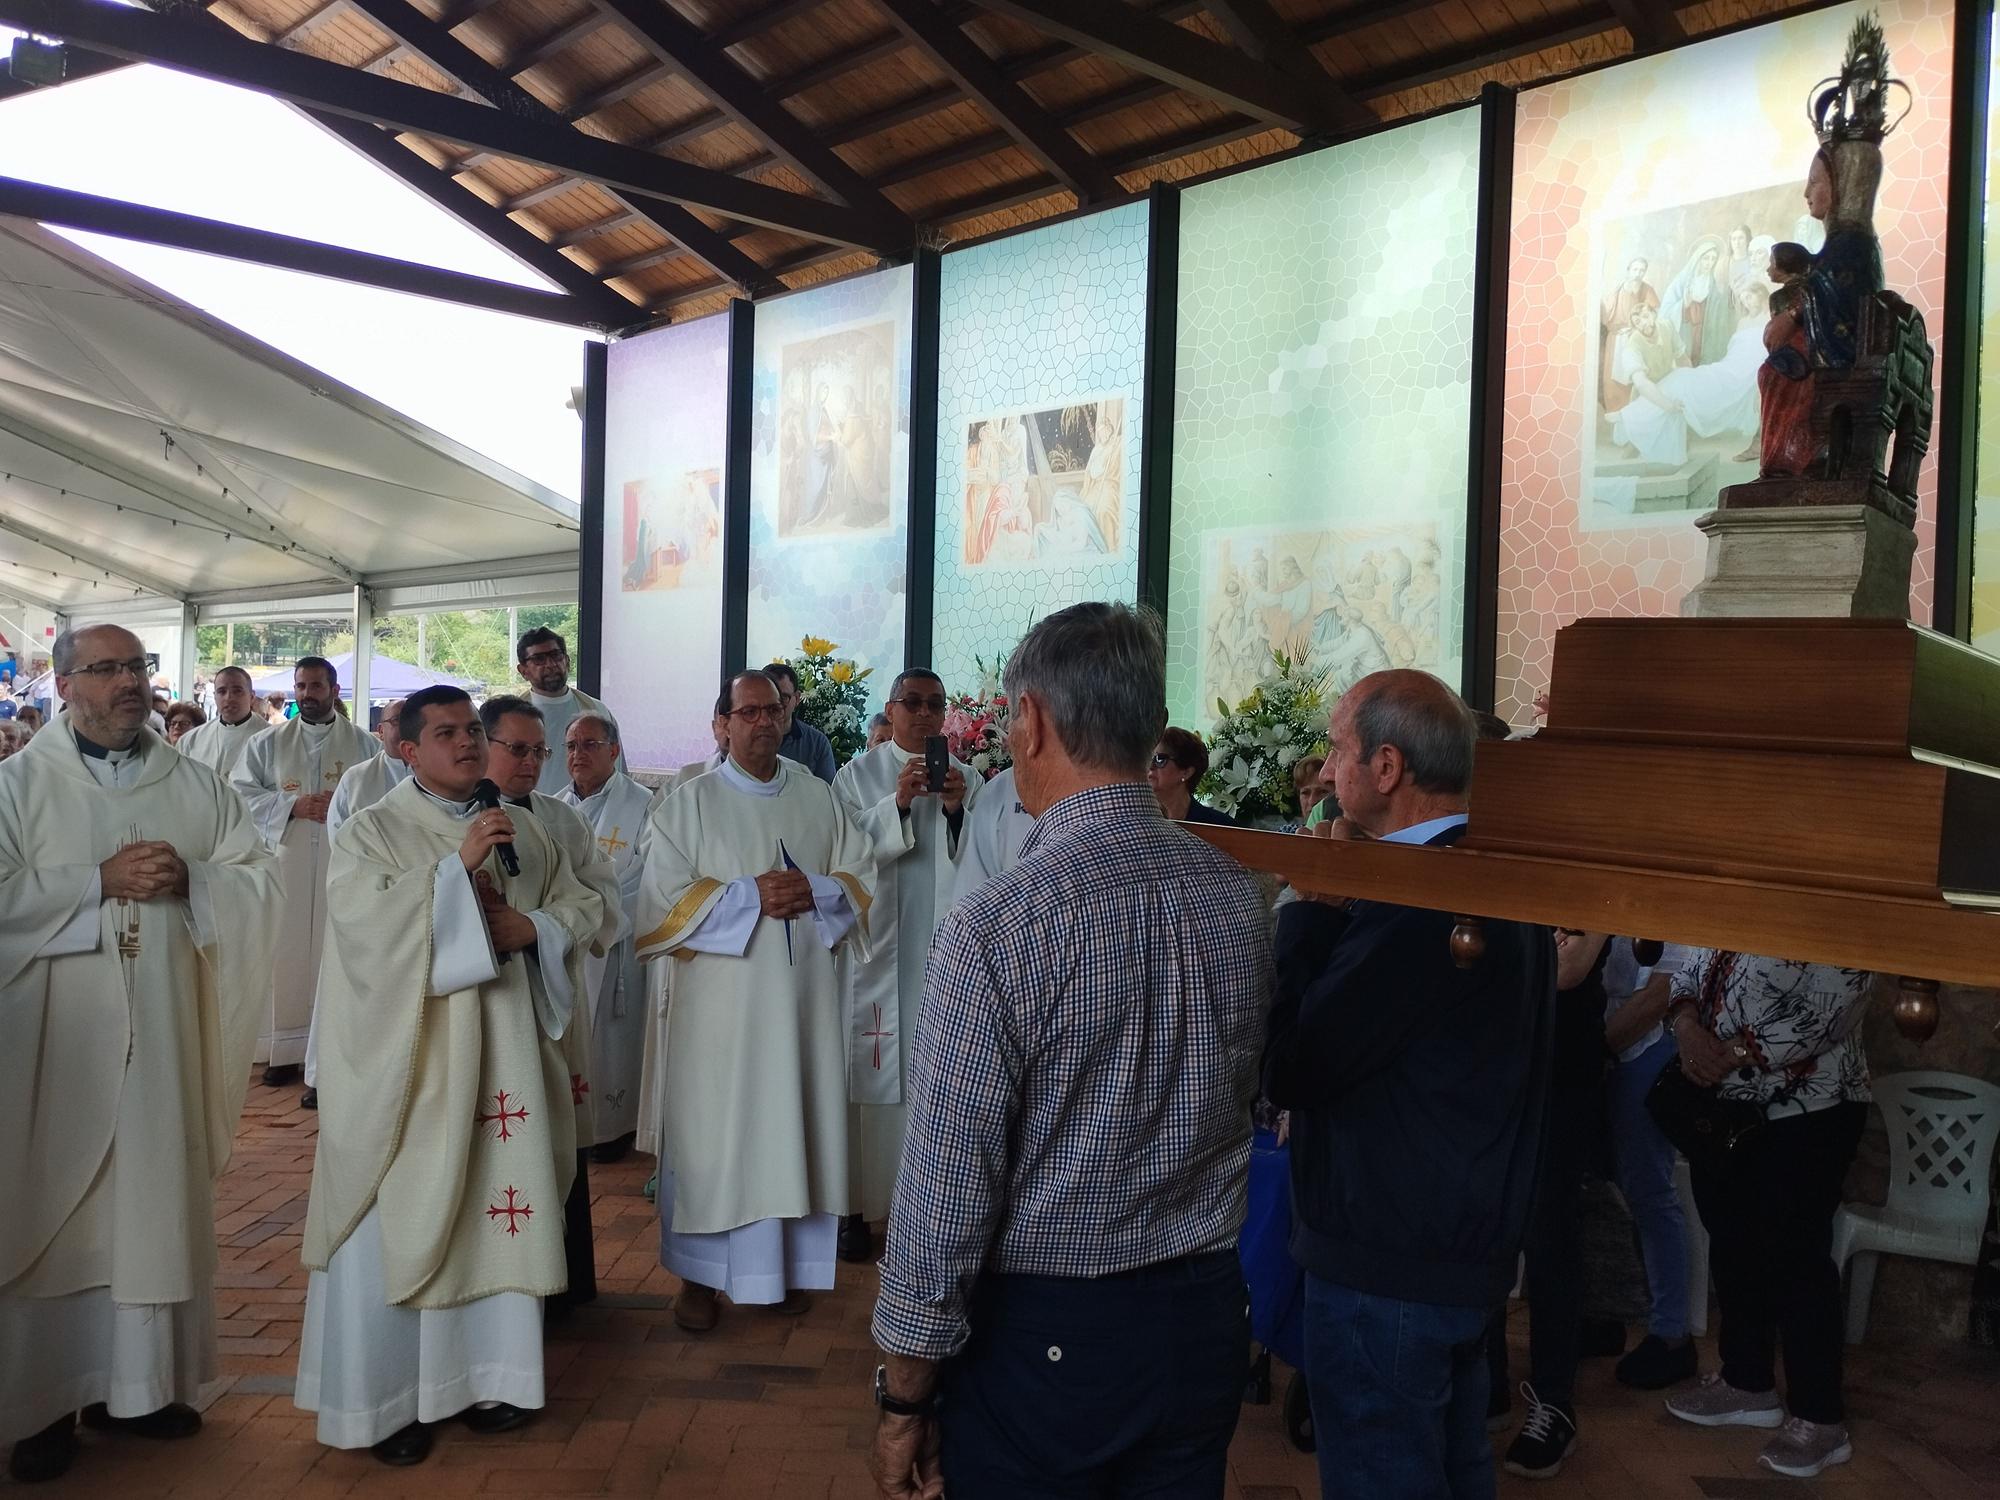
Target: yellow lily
{"x": 841, "y": 672}
{"x": 812, "y": 645}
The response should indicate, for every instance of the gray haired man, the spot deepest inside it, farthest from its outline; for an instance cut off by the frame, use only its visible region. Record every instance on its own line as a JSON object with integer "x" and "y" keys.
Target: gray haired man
{"x": 1079, "y": 1127}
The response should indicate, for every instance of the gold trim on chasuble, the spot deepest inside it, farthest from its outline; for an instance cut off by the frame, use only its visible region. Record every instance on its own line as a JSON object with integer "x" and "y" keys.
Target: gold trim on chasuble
{"x": 857, "y": 897}
{"x": 683, "y": 912}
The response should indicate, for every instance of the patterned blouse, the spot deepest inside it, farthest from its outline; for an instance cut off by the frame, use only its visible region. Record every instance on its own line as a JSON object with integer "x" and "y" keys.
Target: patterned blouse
{"x": 1801, "y": 1022}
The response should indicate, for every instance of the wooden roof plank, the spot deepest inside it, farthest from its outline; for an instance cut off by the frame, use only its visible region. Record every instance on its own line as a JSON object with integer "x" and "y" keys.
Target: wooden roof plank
{"x": 1652, "y": 23}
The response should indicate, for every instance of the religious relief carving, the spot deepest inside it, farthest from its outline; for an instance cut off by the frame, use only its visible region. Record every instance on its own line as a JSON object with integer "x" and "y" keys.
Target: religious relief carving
{"x": 1846, "y": 384}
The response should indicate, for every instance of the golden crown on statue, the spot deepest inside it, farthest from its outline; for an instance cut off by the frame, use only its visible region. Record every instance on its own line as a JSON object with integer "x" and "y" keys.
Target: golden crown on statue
{"x": 1854, "y": 105}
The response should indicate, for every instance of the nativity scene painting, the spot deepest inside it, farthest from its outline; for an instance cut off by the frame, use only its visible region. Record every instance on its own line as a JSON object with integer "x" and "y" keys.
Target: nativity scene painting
{"x": 1684, "y": 298}
{"x": 836, "y": 447}
{"x": 1045, "y": 488}
{"x": 1342, "y": 602}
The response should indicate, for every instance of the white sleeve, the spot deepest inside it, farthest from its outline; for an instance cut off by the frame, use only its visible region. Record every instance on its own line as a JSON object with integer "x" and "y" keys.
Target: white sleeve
{"x": 340, "y": 808}
{"x": 461, "y": 951}
{"x": 201, "y": 906}
{"x": 81, "y": 933}
{"x": 548, "y": 979}
{"x": 727, "y": 927}
{"x": 833, "y": 913}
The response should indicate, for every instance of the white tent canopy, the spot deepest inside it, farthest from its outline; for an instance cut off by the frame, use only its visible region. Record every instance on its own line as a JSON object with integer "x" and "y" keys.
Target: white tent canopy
{"x": 152, "y": 453}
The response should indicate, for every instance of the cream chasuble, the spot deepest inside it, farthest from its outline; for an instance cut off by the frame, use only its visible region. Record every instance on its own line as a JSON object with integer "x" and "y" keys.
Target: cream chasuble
{"x": 280, "y": 766}
{"x": 615, "y": 981}
{"x": 754, "y": 1121}
{"x": 360, "y": 786}
{"x": 594, "y": 871}
{"x": 659, "y": 993}
{"x": 220, "y": 746}
{"x": 994, "y": 833}
{"x": 916, "y": 857}
{"x": 125, "y": 1037}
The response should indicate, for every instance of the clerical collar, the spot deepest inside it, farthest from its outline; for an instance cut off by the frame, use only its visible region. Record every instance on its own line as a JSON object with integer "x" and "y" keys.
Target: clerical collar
{"x": 239, "y": 723}
{"x": 94, "y": 751}
{"x": 743, "y": 781}
{"x": 527, "y": 801}
{"x": 464, "y": 809}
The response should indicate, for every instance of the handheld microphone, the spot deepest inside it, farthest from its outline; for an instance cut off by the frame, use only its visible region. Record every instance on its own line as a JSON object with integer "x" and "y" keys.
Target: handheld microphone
{"x": 487, "y": 795}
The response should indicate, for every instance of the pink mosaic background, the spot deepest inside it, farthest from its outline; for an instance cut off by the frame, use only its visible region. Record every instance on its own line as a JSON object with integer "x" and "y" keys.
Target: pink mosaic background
{"x": 1688, "y": 125}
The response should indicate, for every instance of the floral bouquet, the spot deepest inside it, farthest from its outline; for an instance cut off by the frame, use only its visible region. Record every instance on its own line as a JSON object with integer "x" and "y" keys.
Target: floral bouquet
{"x": 831, "y": 696}
{"x": 1253, "y": 748}
{"x": 976, "y": 725}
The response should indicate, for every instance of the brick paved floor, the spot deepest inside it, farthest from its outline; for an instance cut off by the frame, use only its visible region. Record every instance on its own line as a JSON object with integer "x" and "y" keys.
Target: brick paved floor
{"x": 777, "y": 1407}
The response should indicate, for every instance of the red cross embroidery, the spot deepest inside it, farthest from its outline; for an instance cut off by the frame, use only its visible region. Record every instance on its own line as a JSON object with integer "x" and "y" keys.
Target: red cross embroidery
{"x": 878, "y": 1033}
{"x": 577, "y": 1088}
{"x": 511, "y": 1211}
{"x": 502, "y": 1115}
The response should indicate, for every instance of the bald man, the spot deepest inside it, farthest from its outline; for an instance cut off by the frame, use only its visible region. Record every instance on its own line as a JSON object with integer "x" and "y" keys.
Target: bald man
{"x": 219, "y": 744}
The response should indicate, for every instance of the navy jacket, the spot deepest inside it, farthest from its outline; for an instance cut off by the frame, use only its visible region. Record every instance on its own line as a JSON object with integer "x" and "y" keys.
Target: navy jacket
{"x": 1418, "y": 1093}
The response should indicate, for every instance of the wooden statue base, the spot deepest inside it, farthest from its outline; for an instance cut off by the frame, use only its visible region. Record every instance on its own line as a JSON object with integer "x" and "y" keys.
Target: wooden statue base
{"x": 1802, "y": 560}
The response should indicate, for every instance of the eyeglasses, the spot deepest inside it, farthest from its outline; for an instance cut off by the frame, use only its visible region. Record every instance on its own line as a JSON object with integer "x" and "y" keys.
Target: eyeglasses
{"x": 522, "y": 750}
{"x": 104, "y": 671}
{"x": 543, "y": 658}
{"x": 590, "y": 747}
{"x": 916, "y": 705}
{"x": 1161, "y": 758}
{"x": 768, "y": 713}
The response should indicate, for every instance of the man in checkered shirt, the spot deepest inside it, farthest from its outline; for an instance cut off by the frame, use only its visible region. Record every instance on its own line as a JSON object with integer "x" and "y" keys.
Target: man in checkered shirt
{"x": 1061, "y": 1305}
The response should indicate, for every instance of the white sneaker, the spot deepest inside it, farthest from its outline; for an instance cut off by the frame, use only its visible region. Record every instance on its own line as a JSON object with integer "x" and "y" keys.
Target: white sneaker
{"x": 1801, "y": 1449}
{"x": 1717, "y": 1403}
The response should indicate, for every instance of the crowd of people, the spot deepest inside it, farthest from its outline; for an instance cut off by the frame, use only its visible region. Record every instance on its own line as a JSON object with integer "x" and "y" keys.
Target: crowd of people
{"x": 1008, "y": 1035}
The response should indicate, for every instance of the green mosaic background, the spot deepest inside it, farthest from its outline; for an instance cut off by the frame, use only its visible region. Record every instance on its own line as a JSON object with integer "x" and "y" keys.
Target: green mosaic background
{"x": 1321, "y": 412}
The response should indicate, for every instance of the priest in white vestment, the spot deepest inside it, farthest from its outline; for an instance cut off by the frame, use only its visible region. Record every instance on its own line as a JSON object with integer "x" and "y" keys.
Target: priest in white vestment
{"x": 219, "y": 744}
{"x": 754, "y": 876}
{"x": 140, "y": 908}
{"x": 288, "y": 776}
{"x": 616, "y": 807}
{"x": 447, "y": 1132}
{"x": 542, "y": 658}
{"x": 917, "y": 831}
{"x": 994, "y": 833}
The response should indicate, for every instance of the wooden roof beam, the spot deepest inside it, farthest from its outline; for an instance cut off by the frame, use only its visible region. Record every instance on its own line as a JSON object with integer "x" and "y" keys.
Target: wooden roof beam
{"x": 1031, "y": 127}
{"x": 1652, "y": 23}
{"x": 1256, "y": 30}
{"x": 679, "y": 44}
{"x": 1165, "y": 51}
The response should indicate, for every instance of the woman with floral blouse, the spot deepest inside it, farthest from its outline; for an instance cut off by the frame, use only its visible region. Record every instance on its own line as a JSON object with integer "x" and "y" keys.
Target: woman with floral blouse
{"x": 1785, "y": 1038}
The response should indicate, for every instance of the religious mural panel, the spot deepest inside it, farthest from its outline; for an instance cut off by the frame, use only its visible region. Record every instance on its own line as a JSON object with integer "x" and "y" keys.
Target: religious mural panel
{"x": 1986, "y": 475}
{"x": 1649, "y": 201}
{"x": 1041, "y": 359}
{"x": 665, "y": 450}
{"x": 830, "y": 470}
{"x": 1322, "y": 406}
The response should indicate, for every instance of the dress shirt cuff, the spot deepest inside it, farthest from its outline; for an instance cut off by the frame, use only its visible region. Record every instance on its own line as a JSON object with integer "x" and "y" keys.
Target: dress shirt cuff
{"x": 833, "y": 913}
{"x": 80, "y": 933}
{"x": 727, "y": 927}
{"x": 918, "y": 1330}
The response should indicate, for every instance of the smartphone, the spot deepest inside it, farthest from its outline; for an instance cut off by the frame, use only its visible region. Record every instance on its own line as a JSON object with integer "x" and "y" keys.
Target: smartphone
{"x": 937, "y": 760}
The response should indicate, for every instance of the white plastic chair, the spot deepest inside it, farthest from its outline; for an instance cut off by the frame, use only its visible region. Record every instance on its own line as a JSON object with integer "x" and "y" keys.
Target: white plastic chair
{"x": 1942, "y": 1128}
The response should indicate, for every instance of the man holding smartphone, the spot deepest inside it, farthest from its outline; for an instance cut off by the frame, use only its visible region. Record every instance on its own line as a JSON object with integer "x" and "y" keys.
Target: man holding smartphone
{"x": 910, "y": 796}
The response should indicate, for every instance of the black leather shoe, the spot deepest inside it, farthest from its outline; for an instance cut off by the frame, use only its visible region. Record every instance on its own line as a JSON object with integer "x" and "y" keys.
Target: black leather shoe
{"x": 278, "y": 1077}
{"x": 857, "y": 1242}
{"x": 401, "y": 1449}
{"x": 1656, "y": 1364}
{"x": 47, "y": 1455}
{"x": 309, "y": 1099}
{"x": 616, "y": 1150}
{"x": 169, "y": 1424}
{"x": 499, "y": 1417}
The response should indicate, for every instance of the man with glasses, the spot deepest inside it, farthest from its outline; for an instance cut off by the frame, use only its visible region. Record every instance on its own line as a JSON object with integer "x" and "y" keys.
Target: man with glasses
{"x": 220, "y": 743}
{"x": 135, "y": 962}
{"x": 917, "y": 831}
{"x": 288, "y": 777}
{"x": 516, "y": 754}
{"x": 616, "y": 808}
{"x": 754, "y": 875}
{"x": 801, "y": 741}
{"x": 542, "y": 658}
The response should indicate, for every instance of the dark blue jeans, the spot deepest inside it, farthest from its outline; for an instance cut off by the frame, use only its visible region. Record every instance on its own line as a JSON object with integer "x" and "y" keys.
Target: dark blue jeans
{"x": 1119, "y": 1387}
{"x": 1398, "y": 1396}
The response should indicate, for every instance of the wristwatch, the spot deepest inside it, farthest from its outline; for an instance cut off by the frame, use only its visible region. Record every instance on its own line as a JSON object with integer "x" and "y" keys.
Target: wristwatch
{"x": 899, "y": 1408}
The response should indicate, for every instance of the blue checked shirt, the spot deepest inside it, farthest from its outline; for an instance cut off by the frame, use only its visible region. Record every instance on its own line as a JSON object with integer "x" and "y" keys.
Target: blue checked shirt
{"x": 1081, "y": 1078}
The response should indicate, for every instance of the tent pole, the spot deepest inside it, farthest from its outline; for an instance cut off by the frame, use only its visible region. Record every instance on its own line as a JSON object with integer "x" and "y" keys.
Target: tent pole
{"x": 423, "y": 642}
{"x": 229, "y": 644}
{"x": 184, "y": 678}
{"x": 364, "y": 652}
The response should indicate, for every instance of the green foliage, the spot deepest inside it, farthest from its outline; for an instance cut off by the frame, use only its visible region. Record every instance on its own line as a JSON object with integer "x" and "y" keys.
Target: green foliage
{"x": 1254, "y": 746}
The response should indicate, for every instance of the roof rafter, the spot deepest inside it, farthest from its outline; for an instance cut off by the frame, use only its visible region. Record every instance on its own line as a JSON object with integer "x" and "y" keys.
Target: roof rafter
{"x": 679, "y": 44}
{"x": 458, "y": 61}
{"x": 1192, "y": 62}
{"x": 1029, "y": 125}
{"x": 1257, "y": 31}
{"x": 232, "y": 58}
{"x": 1652, "y": 23}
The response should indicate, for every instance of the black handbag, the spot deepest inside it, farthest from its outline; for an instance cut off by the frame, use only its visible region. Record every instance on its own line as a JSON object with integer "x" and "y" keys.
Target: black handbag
{"x": 1699, "y": 1122}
